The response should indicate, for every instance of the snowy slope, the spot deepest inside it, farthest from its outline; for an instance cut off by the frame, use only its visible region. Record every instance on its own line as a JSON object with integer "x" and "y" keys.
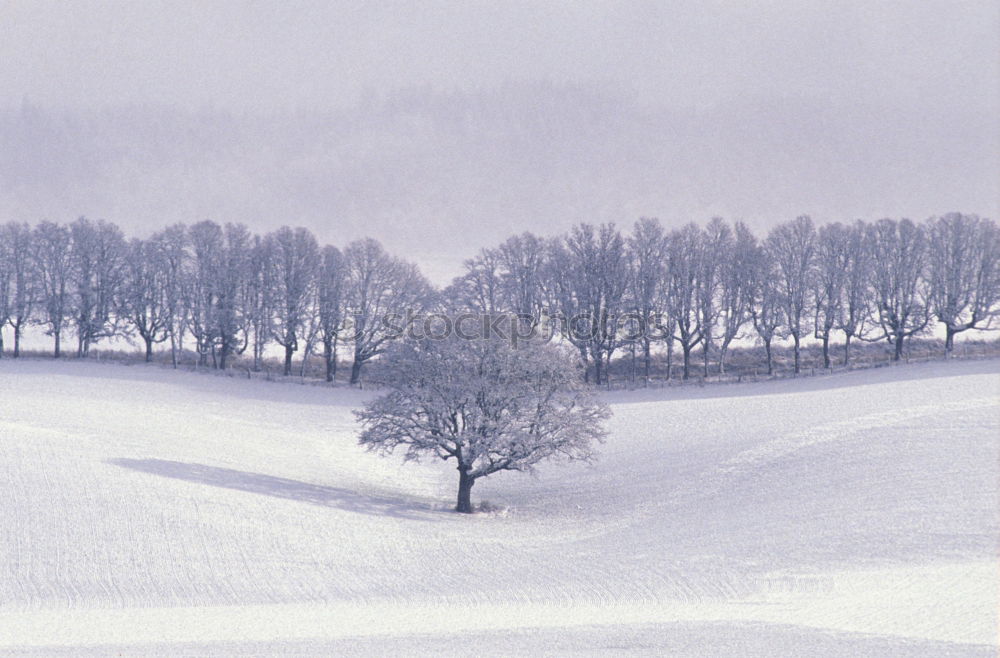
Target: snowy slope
{"x": 156, "y": 512}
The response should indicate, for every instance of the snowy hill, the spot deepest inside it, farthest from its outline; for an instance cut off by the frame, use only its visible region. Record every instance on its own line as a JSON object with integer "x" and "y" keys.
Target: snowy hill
{"x": 155, "y": 512}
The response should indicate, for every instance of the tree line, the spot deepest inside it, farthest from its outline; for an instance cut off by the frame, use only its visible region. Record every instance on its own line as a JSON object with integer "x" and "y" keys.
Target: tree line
{"x": 219, "y": 290}
{"x": 704, "y": 287}
{"x": 223, "y": 291}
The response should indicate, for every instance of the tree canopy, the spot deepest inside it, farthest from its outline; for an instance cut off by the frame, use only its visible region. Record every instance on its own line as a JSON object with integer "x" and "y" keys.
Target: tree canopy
{"x": 486, "y": 404}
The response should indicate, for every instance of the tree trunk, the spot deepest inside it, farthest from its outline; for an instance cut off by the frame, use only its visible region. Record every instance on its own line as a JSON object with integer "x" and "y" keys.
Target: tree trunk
{"x": 58, "y": 348}
{"x": 670, "y": 359}
{"x": 597, "y": 370}
{"x": 328, "y": 358}
{"x": 173, "y": 350}
{"x": 826, "y": 349}
{"x": 356, "y": 370}
{"x": 17, "y": 340}
{"x": 149, "y": 348}
{"x": 645, "y": 361}
{"x": 687, "y": 359}
{"x": 767, "y": 350}
{"x": 333, "y": 360}
{"x": 898, "y": 353}
{"x": 847, "y": 350}
{"x": 305, "y": 360}
{"x": 288, "y": 360}
{"x": 465, "y": 482}
{"x": 633, "y": 368}
{"x": 1, "y": 341}
{"x": 949, "y": 340}
{"x": 795, "y": 338}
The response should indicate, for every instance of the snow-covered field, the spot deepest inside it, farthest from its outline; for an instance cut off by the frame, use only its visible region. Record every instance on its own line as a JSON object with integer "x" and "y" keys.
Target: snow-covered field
{"x": 152, "y": 512}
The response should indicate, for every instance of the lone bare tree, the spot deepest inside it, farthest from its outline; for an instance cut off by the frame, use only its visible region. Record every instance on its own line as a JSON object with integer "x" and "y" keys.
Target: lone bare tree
{"x": 486, "y": 404}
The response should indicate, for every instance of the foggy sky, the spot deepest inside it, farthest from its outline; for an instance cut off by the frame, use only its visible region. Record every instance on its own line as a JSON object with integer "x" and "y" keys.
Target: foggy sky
{"x": 316, "y": 54}
{"x": 916, "y": 81}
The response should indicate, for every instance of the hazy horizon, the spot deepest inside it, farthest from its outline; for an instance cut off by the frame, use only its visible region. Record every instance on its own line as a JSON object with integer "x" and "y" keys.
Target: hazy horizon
{"x": 441, "y": 128}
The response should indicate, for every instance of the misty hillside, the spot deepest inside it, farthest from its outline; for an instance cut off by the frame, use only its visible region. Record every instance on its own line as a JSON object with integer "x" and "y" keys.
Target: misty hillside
{"x": 431, "y": 172}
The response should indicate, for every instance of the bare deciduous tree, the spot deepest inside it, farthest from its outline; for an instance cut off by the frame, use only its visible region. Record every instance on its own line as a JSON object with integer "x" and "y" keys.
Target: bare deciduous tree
{"x": 833, "y": 245}
{"x": 856, "y": 303}
{"x": 6, "y": 282}
{"x": 23, "y": 282}
{"x": 331, "y": 305}
{"x": 479, "y": 289}
{"x": 379, "y": 285}
{"x": 295, "y": 260}
{"x": 231, "y": 317}
{"x": 647, "y": 248}
{"x": 521, "y": 260}
{"x": 902, "y": 309}
{"x": 51, "y": 257}
{"x": 258, "y": 297}
{"x": 173, "y": 245}
{"x": 964, "y": 273}
{"x": 683, "y": 289}
{"x": 765, "y": 300}
{"x": 792, "y": 246}
{"x": 735, "y": 280}
{"x": 484, "y": 403}
{"x": 98, "y": 259}
{"x": 590, "y": 274}
{"x": 144, "y": 298}
{"x": 716, "y": 249}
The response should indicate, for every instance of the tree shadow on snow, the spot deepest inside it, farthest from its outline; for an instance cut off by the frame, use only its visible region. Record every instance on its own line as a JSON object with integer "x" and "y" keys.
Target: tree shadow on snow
{"x": 269, "y": 485}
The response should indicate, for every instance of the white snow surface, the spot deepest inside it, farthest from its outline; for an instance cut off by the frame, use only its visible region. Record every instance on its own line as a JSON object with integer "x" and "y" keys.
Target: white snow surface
{"x": 156, "y": 512}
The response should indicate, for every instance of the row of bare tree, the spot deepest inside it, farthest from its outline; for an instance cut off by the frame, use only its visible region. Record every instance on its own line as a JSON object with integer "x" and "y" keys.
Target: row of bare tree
{"x": 223, "y": 291}
{"x": 706, "y": 287}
